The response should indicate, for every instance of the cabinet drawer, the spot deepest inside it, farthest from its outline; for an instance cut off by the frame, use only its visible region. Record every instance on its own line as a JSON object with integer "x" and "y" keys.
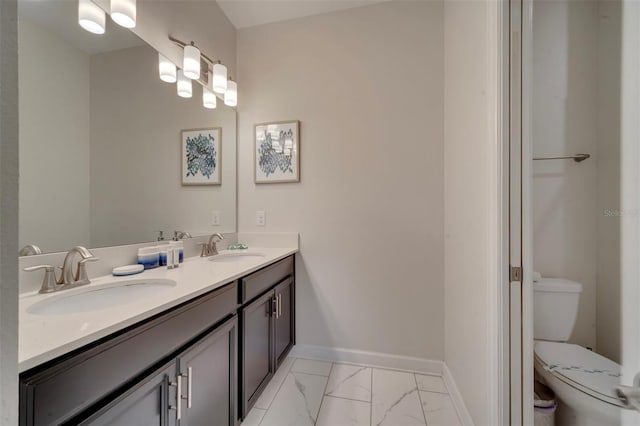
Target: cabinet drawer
{"x": 70, "y": 385}
{"x": 255, "y": 284}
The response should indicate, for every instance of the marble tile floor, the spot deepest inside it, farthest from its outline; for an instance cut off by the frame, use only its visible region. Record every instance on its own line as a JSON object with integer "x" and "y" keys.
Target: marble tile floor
{"x": 310, "y": 392}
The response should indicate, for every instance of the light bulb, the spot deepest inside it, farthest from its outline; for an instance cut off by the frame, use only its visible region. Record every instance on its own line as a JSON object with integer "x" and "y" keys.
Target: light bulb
{"x": 91, "y": 17}
{"x": 219, "y": 78}
{"x": 167, "y": 69}
{"x": 208, "y": 98}
{"x": 191, "y": 62}
{"x": 231, "y": 95}
{"x": 123, "y": 13}
{"x": 185, "y": 89}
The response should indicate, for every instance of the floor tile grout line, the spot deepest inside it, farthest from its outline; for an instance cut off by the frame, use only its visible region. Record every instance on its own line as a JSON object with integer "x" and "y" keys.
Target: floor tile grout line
{"x": 306, "y": 372}
{"x": 371, "y": 404}
{"x": 344, "y": 397}
{"x": 278, "y": 391}
{"x": 379, "y": 367}
{"x": 424, "y": 415}
{"x": 323, "y": 395}
{"x": 434, "y": 391}
{"x": 350, "y": 376}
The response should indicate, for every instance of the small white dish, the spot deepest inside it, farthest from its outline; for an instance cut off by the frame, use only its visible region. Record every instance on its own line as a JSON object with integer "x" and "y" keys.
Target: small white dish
{"x": 123, "y": 271}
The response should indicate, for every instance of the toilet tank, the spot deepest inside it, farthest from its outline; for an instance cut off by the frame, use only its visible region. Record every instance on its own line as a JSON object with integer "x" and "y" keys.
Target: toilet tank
{"x": 555, "y": 308}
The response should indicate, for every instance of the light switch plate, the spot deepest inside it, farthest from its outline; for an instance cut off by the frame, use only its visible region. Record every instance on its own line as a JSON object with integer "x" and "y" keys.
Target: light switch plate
{"x": 215, "y": 218}
{"x": 260, "y": 218}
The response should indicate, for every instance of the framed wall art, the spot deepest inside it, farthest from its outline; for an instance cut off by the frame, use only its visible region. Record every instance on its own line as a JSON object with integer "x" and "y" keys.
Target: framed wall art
{"x": 277, "y": 152}
{"x": 201, "y": 156}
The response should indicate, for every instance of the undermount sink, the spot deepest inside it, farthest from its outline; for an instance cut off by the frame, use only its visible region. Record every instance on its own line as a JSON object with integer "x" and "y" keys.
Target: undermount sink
{"x": 101, "y": 297}
{"x": 235, "y": 256}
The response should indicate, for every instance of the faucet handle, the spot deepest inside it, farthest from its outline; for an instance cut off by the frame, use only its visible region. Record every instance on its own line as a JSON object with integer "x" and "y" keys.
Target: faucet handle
{"x": 81, "y": 273}
{"x": 49, "y": 282}
{"x": 205, "y": 249}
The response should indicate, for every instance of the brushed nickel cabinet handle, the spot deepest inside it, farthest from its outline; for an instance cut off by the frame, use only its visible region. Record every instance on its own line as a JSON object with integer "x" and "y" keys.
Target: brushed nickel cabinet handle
{"x": 189, "y": 384}
{"x": 178, "y": 406}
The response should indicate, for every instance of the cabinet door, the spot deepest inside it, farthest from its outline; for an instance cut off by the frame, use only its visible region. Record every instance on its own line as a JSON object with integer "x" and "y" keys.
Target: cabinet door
{"x": 284, "y": 319}
{"x": 256, "y": 349}
{"x": 208, "y": 379}
{"x": 146, "y": 404}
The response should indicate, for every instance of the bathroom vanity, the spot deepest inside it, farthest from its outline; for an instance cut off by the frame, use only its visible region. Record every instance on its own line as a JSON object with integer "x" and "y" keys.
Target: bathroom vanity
{"x": 200, "y": 353}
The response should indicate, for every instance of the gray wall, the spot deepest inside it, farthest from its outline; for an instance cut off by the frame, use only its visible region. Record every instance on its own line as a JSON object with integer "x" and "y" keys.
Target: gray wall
{"x": 8, "y": 213}
{"x": 369, "y": 207}
{"x": 54, "y": 140}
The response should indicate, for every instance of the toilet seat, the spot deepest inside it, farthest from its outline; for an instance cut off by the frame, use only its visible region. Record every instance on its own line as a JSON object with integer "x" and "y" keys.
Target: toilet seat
{"x": 581, "y": 369}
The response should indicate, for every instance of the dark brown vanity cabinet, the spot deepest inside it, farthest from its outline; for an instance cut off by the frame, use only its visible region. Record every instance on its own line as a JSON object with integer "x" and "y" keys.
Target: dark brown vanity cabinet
{"x": 138, "y": 375}
{"x": 197, "y": 388}
{"x": 267, "y": 327}
{"x": 204, "y": 362}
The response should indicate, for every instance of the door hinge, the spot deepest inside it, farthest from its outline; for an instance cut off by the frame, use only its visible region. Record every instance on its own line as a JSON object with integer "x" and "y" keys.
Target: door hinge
{"x": 516, "y": 274}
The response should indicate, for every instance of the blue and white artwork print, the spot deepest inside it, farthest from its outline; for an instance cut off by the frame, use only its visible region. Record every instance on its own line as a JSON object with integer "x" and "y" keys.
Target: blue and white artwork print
{"x": 201, "y": 156}
{"x": 277, "y": 152}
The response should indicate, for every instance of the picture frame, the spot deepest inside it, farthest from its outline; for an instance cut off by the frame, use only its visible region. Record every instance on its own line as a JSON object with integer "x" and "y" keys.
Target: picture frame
{"x": 201, "y": 156}
{"x": 276, "y": 152}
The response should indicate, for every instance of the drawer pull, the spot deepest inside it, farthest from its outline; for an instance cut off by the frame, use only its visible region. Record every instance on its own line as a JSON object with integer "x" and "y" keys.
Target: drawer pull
{"x": 189, "y": 383}
{"x": 178, "y": 406}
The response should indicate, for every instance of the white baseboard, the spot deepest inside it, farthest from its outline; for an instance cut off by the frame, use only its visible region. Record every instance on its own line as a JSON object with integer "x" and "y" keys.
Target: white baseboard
{"x": 456, "y": 397}
{"x": 374, "y": 359}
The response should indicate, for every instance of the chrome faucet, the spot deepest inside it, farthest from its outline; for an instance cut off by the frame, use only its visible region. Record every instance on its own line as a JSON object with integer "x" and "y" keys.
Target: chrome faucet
{"x": 68, "y": 279}
{"x": 209, "y": 248}
{"x": 80, "y": 277}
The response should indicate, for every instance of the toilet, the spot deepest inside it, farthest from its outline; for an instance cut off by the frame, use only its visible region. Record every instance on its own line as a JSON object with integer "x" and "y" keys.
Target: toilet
{"x": 583, "y": 381}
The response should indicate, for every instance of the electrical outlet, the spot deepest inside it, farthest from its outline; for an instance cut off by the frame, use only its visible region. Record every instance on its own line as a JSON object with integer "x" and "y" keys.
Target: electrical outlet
{"x": 215, "y": 218}
{"x": 260, "y": 218}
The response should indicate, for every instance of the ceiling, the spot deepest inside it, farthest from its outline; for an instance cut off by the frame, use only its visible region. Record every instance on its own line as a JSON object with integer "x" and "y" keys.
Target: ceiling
{"x": 248, "y": 13}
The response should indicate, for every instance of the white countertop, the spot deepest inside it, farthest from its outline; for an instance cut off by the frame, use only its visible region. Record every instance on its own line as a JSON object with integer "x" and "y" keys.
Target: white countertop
{"x": 45, "y": 337}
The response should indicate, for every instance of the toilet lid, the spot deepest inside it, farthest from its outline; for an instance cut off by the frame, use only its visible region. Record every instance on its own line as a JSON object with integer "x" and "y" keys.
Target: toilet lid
{"x": 581, "y": 368}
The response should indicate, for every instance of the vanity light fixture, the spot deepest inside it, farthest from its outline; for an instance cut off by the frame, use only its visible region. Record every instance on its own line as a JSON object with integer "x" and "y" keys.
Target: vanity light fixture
{"x": 123, "y": 13}
{"x": 219, "y": 78}
{"x": 191, "y": 62}
{"x": 167, "y": 69}
{"x": 215, "y": 72}
{"x": 209, "y": 99}
{"x": 231, "y": 95}
{"x": 185, "y": 89}
{"x": 91, "y": 17}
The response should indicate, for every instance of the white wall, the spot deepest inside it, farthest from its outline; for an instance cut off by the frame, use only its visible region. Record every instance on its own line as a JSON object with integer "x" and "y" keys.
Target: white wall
{"x": 366, "y": 84}
{"x": 8, "y": 212}
{"x": 576, "y": 109}
{"x": 471, "y": 182}
{"x": 136, "y": 122}
{"x": 54, "y": 140}
{"x": 608, "y": 155}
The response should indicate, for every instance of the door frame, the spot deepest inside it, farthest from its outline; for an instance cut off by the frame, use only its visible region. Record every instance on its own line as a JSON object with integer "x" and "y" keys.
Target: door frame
{"x": 630, "y": 201}
{"x": 516, "y": 292}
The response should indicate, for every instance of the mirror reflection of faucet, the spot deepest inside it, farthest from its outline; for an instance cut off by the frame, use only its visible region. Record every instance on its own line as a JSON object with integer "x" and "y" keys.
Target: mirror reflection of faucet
{"x": 29, "y": 250}
{"x": 69, "y": 277}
